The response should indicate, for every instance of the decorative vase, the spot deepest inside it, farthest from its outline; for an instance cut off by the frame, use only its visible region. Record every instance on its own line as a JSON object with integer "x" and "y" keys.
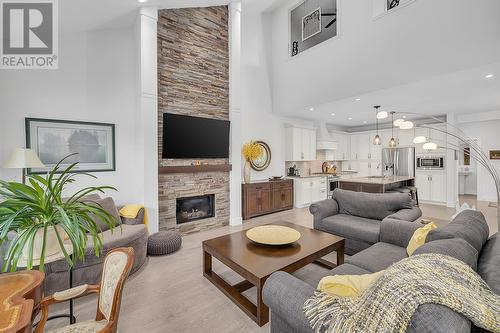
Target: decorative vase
{"x": 246, "y": 172}
{"x": 51, "y": 244}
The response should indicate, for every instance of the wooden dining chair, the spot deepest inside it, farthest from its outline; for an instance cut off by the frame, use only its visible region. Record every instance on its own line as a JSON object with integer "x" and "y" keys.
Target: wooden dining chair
{"x": 117, "y": 265}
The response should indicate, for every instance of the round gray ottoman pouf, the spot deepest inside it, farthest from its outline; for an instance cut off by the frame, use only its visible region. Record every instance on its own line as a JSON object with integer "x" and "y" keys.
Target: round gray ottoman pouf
{"x": 164, "y": 242}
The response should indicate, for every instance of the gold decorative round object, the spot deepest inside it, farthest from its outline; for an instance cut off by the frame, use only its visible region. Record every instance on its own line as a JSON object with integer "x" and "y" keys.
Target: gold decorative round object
{"x": 273, "y": 235}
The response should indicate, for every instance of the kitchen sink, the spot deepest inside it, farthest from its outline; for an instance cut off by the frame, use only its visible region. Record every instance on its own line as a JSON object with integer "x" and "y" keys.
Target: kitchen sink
{"x": 378, "y": 177}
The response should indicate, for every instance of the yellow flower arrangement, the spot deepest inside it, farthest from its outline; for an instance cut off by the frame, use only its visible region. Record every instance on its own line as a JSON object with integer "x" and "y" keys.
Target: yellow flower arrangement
{"x": 252, "y": 151}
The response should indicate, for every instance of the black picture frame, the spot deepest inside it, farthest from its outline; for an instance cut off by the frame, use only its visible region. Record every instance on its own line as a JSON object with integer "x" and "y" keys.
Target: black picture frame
{"x": 32, "y": 141}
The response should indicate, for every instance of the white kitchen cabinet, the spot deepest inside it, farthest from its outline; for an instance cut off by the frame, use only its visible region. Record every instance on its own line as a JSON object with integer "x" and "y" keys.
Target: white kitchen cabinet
{"x": 434, "y": 135}
{"x": 363, "y": 168}
{"x": 363, "y": 149}
{"x": 405, "y": 137}
{"x": 431, "y": 186}
{"x": 364, "y": 146}
{"x": 300, "y": 144}
{"x": 354, "y": 146}
{"x": 309, "y": 190}
{"x": 438, "y": 187}
{"x": 342, "y": 152}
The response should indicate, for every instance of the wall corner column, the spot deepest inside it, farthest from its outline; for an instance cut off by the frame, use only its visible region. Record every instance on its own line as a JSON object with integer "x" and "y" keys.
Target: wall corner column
{"x": 235, "y": 110}
{"x": 147, "y": 109}
{"x": 451, "y": 163}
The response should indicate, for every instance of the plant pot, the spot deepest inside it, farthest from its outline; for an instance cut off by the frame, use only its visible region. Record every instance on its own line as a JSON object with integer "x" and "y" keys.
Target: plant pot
{"x": 246, "y": 172}
{"x": 51, "y": 244}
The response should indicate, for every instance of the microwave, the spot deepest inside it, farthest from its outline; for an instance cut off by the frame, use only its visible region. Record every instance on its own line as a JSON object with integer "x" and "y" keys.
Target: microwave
{"x": 430, "y": 162}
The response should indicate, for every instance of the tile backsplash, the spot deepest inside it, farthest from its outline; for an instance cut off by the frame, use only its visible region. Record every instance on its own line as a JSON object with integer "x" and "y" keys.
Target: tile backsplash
{"x": 308, "y": 167}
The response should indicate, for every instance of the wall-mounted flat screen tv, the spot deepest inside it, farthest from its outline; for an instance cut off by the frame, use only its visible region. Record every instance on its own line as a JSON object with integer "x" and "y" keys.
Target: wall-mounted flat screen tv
{"x": 194, "y": 137}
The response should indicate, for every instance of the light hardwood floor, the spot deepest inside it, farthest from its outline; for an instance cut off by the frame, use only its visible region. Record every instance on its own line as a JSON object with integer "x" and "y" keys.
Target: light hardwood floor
{"x": 170, "y": 294}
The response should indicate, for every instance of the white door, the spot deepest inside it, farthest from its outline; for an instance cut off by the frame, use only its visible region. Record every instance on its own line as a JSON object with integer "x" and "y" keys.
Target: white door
{"x": 438, "y": 187}
{"x": 422, "y": 183}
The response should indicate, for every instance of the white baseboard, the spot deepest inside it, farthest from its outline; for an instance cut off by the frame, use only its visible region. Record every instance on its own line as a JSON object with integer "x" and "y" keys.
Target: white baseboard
{"x": 236, "y": 220}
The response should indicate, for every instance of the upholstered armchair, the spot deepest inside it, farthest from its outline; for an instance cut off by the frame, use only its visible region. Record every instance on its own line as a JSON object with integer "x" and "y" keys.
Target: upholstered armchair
{"x": 117, "y": 266}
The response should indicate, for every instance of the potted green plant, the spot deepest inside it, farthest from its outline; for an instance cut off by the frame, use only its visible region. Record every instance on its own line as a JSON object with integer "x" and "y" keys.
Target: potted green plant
{"x": 36, "y": 221}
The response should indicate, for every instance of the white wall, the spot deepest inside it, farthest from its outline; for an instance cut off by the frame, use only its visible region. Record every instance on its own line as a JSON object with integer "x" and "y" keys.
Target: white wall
{"x": 258, "y": 121}
{"x": 95, "y": 82}
{"x": 404, "y": 46}
{"x": 488, "y": 137}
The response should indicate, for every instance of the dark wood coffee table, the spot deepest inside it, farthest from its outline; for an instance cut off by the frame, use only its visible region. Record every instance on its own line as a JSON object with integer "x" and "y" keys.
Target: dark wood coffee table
{"x": 255, "y": 263}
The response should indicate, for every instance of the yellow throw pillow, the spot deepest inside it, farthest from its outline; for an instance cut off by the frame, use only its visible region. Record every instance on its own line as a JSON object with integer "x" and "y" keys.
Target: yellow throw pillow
{"x": 347, "y": 285}
{"x": 418, "y": 238}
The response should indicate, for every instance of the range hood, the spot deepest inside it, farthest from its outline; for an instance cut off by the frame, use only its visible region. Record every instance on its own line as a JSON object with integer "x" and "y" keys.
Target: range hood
{"x": 325, "y": 140}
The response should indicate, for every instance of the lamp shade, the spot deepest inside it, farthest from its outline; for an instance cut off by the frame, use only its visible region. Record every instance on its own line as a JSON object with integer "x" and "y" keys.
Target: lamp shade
{"x": 420, "y": 139}
{"x": 398, "y": 122}
{"x": 405, "y": 125}
{"x": 21, "y": 158}
{"x": 430, "y": 146}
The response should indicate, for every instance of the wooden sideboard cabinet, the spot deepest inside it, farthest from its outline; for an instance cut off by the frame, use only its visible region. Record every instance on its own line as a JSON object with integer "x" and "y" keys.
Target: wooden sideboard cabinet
{"x": 266, "y": 197}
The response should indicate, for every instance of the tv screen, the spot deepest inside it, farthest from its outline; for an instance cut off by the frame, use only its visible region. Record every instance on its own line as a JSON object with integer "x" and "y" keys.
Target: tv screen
{"x": 194, "y": 137}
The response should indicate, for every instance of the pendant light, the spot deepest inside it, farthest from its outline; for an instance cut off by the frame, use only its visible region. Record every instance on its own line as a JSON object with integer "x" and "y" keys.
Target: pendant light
{"x": 377, "y": 141}
{"x": 392, "y": 141}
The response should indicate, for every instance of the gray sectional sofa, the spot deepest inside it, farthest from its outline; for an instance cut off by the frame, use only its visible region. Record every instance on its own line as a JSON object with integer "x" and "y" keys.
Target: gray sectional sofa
{"x": 465, "y": 238}
{"x": 357, "y": 216}
{"x": 128, "y": 233}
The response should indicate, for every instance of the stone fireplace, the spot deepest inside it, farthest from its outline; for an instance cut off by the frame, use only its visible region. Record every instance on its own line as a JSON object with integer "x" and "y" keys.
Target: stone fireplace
{"x": 195, "y": 208}
{"x": 193, "y": 80}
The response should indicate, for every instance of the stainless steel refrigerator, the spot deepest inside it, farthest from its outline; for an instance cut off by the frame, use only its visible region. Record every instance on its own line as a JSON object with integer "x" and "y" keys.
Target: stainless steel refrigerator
{"x": 398, "y": 161}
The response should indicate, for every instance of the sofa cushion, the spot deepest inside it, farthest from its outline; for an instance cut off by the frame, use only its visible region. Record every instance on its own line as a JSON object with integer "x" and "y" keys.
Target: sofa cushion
{"x": 109, "y": 206}
{"x": 371, "y": 205}
{"x": 122, "y": 236}
{"x": 471, "y": 226}
{"x": 489, "y": 263}
{"x": 348, "y": 269}
{"x": 435, "y": 318}
{"x": 456, "y": 248}
{"x": 378, "y": 257}
{"x": 354, "y": 227}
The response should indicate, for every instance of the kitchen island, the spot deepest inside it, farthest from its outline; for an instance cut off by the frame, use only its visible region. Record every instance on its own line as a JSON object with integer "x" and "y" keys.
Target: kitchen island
{"x": 376, "y": 184}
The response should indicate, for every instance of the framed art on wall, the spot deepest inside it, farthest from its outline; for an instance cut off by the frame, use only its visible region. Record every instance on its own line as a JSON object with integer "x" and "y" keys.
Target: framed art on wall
{"x": 312, "y": 22}
{"x": 92, "y": 143}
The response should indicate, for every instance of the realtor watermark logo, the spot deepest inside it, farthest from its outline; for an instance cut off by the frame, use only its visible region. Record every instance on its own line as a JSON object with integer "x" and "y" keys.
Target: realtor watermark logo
{"x": 29, "y": 37}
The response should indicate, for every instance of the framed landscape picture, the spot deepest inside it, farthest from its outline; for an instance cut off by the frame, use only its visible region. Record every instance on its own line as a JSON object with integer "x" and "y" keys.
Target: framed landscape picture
{"x": 311, "y": 24}
{"x": 92, "y": 143}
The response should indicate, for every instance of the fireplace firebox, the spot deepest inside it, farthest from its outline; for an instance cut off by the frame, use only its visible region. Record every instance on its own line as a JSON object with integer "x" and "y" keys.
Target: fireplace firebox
{"x": 195, "y": 208}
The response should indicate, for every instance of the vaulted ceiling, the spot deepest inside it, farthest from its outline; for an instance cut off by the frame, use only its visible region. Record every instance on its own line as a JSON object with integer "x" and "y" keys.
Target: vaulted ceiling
{"x": 427, "y": 57}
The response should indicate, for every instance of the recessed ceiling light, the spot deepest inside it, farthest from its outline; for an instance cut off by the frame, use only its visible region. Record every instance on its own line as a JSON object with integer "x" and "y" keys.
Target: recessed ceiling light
{"x": 311, "y": 109}
{"x": 350, "y": 118}
{"x": 333, "y": 114}
{"x": 141, "y": 1}
{"x": 489, "y": 76}
{"x": 404, "y": 117}
{"x": 358, "y": 99}
{"x": 364, "y": 122}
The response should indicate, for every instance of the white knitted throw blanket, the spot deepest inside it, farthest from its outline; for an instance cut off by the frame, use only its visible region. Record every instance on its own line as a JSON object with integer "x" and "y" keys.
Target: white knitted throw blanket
{"x": 390, "y": 302}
